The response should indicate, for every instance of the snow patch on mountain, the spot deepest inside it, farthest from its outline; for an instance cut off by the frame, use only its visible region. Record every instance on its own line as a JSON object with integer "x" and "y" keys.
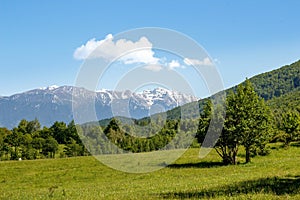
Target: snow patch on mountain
{"x": 52, "y": 87}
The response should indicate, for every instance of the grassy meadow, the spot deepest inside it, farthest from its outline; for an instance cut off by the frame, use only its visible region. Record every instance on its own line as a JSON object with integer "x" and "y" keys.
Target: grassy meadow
{"x": 275, "y": 176}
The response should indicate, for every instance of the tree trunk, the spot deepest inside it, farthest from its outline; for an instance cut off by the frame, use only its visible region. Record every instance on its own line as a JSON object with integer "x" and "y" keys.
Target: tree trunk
{"x": 226, "y": 160}
{"x": 234, "y": 155}
{"x": 287, "y": 142}
{"x": 247, "y": 154}
{"x": 234, "y": 158}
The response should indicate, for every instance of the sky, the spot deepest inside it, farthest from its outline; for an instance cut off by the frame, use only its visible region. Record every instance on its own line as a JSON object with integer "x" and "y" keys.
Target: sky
{"x": 40, "y": 40}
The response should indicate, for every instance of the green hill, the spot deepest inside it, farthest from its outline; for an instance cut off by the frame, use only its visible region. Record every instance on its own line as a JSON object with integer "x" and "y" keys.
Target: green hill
{"x": 286, "y": 102}
{"x": 277, "y": 82}
{"x": 279, "y": 87}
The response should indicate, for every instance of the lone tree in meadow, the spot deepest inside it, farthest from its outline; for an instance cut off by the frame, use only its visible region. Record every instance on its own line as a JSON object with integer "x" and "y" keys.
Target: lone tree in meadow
{"x": 247, "y": 124}
{"x": 247, "y": 119}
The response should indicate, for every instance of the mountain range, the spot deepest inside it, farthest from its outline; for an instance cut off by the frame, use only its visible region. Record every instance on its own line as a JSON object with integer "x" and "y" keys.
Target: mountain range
{"x": 279, "y": 87}
{"x": 54, "y": 103}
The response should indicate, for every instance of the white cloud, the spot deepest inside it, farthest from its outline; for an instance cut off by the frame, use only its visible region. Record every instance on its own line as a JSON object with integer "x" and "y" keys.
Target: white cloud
{"x": 85, "y": 50}
{"x": 205, "y": 62}
{"x": 130, "y": 52}
{"x": 155, "y": 68}
{"x": 173, "y": 64}
{"x": 164, "y": 64}
{"x": 140, "y": 56}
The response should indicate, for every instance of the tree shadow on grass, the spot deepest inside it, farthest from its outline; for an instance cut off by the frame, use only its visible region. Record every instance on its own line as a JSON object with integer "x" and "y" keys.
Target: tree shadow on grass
{"x": 274, "y": 185}
{"x": 295, "y": 144}
{"x": 197, "y": 165}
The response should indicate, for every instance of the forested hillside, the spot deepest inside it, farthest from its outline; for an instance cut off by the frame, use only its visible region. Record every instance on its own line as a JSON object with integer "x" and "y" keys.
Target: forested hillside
{"x": 277, "y": 82}
{"x": 280, "y": 88}
{"x": 286, "y": 102}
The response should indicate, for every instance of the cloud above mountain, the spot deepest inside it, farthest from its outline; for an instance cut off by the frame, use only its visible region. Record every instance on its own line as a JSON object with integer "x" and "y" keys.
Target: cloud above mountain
{"x": 127, "y": 51}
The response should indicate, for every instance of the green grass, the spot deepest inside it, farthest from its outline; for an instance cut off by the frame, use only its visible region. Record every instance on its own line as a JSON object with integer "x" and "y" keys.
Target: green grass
{"x": 276, "y": 176}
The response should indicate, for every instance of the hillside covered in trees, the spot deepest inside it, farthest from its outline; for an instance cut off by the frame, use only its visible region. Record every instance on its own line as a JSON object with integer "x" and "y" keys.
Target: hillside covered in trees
{"x": 280, "y": 88}
{"x": 286, "y": 102}
{"x": 277, "y": 82}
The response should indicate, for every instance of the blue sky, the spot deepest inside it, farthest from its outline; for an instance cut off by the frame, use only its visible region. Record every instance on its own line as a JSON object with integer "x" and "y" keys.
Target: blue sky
{"x": 38, "y": 38}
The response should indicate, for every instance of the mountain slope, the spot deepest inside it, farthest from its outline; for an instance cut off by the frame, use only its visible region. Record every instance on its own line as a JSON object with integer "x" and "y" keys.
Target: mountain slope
{"x": 277, "y": 82}
{"x": 286, "y": 102}
{"x": 279, "y": 87}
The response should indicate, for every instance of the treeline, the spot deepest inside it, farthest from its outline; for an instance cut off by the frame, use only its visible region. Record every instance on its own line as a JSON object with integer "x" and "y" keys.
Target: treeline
{"x": 140, "y": 136}
{"x": 29, "y": 141}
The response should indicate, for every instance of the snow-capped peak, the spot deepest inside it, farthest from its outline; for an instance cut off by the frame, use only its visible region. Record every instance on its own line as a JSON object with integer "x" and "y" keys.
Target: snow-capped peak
{"x": 167, "y": 96}
{"x": 102, "y": 90}
{"x": 52, "y": 87}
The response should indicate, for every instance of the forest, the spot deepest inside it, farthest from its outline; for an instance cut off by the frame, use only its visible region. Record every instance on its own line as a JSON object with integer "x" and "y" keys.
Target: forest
{"x": 29, "y": 141}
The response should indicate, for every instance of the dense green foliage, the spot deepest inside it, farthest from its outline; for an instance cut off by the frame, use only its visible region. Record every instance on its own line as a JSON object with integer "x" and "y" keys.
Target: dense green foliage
{"x": 142, "y": 136}
{"x": 289, "y": 128}
{"x": 248, "y": 119}
{"x": 29, "y": 141}
{"x": 277, "y": 82}
{"x": 286, "y": 102}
